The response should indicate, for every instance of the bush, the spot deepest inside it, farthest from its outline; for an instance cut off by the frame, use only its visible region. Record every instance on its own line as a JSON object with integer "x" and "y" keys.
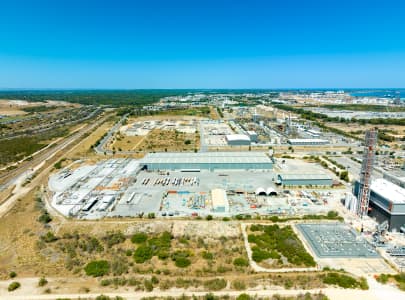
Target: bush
{"x": 216, "y": 284}
{"x": 245, "y": 297}
{"x": 103, "y": 297}
{"x": 341, "y": 280}
{"x": 114, "y": 238}
{"x": 97, "y": 268}
{"x": 207, "y": 255}
{"x": 12, "y": 274}
{"x": 239, "y": 285}
{"x": 139, "y": 238}
{"x": 154, "y": 280}
{"x": 142, "y": 254}
{"x": 119, "y": 266}
{"x": 240, "y": 262}
{"x": 182, "y": 262}
{"x": 148, "y": 285}
{"x": 105, "y": 282}
{"x": 49, "y": 237}
{"x": 42, "y": 281}
{"x": 13, "y": 286}
{"x": 209, "y": 218}
{"x": 383, "y": 278}
{"x": 45, "y": 218}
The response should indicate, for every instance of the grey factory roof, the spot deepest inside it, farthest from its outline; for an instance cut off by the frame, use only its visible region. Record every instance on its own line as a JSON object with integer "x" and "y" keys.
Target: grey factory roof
{"x": 207, "y": 157}
{"x": 305, "y": 177}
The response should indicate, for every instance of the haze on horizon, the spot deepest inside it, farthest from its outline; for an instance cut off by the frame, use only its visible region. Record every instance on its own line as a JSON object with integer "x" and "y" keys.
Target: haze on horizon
{"x": 202, "y": 44}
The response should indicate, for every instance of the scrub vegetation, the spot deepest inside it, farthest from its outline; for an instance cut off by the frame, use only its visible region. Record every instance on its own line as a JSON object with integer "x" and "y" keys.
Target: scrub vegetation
{"x": 278, "y": 246}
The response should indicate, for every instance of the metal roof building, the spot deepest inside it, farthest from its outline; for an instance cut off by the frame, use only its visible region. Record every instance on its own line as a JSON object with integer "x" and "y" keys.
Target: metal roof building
{"x": 305, "y": 179}
{"x": 237, "y": 139}
{"x": 387, "y": 202}
{"x": 207, "y": 161}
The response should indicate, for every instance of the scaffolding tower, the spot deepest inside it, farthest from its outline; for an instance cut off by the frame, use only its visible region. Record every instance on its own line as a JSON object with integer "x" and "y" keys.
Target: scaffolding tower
{"x": 366, "y": 171}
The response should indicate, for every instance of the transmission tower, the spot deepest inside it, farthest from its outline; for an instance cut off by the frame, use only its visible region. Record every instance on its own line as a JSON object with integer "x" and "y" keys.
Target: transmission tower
{"x": 366, "y": 171}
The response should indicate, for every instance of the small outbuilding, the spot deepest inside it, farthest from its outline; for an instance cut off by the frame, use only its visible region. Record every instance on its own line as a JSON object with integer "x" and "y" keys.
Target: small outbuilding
{"x": 238, "y": 140}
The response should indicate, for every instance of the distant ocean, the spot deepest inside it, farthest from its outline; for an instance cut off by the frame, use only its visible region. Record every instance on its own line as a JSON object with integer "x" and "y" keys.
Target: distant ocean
{"x": 389, "y": 93}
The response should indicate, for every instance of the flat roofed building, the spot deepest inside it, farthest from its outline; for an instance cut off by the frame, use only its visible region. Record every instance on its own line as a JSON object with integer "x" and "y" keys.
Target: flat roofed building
{"x": 237, "y": 140}
{"x": 305, "y": 179}
{"x": 387, "y": 202}
{"x": 307, "y": 142}
{"x": 219, "y": 200}
{"x": 207, "y": 161}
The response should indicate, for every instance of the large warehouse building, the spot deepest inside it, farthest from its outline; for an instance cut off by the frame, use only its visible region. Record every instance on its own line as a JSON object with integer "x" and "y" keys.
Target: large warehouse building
{"x": 387, "y": 203}
{"x": 304, "y": 179}
{"x": 207, "y": 161}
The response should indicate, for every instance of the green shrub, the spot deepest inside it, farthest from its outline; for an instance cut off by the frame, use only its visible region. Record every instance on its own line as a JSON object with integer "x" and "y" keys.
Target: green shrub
{"x": 363, "y": 283}
{"x": 383, "y": 278}
{"x": 182, "y": 262}
{"x": 49, "y": 237}
{"x": 105, "y": 282}
{"x": 114, "y": 238}
{"x": 148, "y": 285}
{"x": 209, "y": 217}
{"x": 42, "y": 281}
{"x": 142, "y": 254}
{"x": 139, "y": 238}
{"x": 341, "y": 280}
{"x": 181, "y": 259}
{"x": 238, "y": 285}
{"x": 45, "y": 218}
{"x": 247, "y": 297}
{"x": 240, "y": 262}
{"x": 12, "y": 274}
{"x": 207, "y": 255}
{"x": 216, "y": 284}
{"x": 119, "y": 266}
{"x": 154, "y": 279}
{"x": 13, "y": 286}
{"x": 97, "y": 268}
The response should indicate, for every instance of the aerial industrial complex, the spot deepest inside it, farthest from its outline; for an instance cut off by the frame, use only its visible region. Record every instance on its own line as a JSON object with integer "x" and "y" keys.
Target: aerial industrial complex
{"x": 290, "y": 194}
{"x": 243, "y": 166}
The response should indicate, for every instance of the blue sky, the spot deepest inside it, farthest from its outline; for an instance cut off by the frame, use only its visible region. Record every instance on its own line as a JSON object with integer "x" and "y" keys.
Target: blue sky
{"x": 202, "y": 44}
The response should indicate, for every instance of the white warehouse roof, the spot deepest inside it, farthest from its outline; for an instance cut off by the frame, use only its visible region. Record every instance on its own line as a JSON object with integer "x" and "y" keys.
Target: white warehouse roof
{"x": 389, "y": 190}
{"x": 237, "y": 137}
